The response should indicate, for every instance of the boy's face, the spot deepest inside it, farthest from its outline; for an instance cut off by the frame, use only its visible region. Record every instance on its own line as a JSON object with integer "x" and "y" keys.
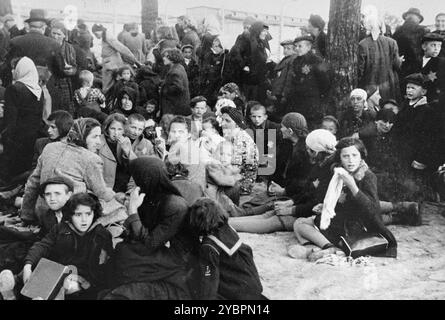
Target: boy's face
{"x": 200, "y": 109}
{"x": 432, "y": 48}
{"x": 82, "y": 218}
{"x": 207, "y": 128}
{"x": 288, "y": 50}
{"x": 188, "y": 53}
{"x": 178, "y": 133}
{"x": 126, "y": 75}
{"x": 150, "y": 107}
{"x": 258, "y": 117}
{"x": 414, "y": 91}
{"x": 135, "y": 129}
{"x": 53, "y": 131}
{"x": 440, "y": 23}
{"x": 303, "y": 47}
{"x": 329, "y": 126}
{"x": 56, "y": 196}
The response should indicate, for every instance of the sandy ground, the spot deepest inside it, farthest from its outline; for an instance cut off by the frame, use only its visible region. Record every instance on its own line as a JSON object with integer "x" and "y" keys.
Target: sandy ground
{"x": 418, "y": 273}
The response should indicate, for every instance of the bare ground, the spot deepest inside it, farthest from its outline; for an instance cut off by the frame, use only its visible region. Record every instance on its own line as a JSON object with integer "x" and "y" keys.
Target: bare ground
{"x": 417, "y": 274}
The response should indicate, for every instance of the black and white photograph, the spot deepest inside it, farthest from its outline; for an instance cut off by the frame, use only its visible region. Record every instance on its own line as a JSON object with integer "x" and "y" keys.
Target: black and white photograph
{"x": 242, "y": 151}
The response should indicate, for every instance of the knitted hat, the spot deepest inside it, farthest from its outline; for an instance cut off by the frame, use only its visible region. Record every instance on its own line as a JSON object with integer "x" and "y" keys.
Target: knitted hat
{"x": 317, "y": 21}
{"x": 236, "y": 116}
{"x": 359, "y": 93}
{"x": 296, "y": 122}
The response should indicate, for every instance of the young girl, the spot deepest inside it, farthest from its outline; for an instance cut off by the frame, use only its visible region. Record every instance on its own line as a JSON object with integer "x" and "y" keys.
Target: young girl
{"x": 210, "y": 134}
{"x": 226, "y": 266}
{"x": 77, "y": 242}
{"x": 357, "y": 209}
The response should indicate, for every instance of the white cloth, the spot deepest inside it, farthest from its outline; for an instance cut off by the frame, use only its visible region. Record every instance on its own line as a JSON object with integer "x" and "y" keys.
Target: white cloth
{"x": 330, "y": 201}
{"x": 359, "y": 93}
{"x": 425, "y": 61}
{"x": 321, "y": 141}
{"x": 26, "y": 72}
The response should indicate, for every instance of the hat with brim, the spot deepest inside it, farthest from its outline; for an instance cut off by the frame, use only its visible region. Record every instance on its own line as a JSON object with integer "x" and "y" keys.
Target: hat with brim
{"x": 432, "y": 37}
{"x": 56, "y": 180}
{"x": 417, "y": 79}
{"x": 304, "y": 38}
{"x": 413, "y": 11}
{"x": 287, "y": 43}
{"x": 37, "y": 15}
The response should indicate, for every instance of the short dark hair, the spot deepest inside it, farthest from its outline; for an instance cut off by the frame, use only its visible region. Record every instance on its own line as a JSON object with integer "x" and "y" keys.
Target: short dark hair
{"x": 84, "y": 199}
{"x": 333, "y": 120}
{"x": 206, "y": 216}
{"x": 135, "y": 117}
{"x": 181, "y": 119}
{"x": 350, "y": 142}
{"x": 174, "y": 55}
{"x": 197, "y": 100}
{"x": 122, "y": 69}
{"x": 64, "y": 122}
{"x": 258, "y": 107}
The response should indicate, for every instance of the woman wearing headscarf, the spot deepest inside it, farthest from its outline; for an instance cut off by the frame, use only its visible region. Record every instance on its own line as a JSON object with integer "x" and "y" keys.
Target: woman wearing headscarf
{"x": 114, "y": 56}
{"x": 167, "y": 39}
{"x": 75, "y": 159}
{"x": 379, "y": 61}
{"x": 126, "y": 102}
{"x": 61, "y": 85}
{"x": 22, "y": 117}
{"x": 315, "y": 166}
{"x": 245, "y": 152}
{"x": 151, "y": 263}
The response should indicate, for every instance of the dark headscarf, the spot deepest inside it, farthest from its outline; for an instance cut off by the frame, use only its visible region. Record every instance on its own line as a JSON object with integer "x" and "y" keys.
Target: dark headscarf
{"x": 236, "y": 116}
{"x": 132, "y": 94}
{"x": 150, "y": 174}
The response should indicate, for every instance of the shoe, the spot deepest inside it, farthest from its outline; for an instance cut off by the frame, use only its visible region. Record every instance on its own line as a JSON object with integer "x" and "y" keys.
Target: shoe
{"x": 7, "y": 284}
{"x": 299, "y": 252}
{"x": 313, "y": 257}
{"x": 409, "y": 213}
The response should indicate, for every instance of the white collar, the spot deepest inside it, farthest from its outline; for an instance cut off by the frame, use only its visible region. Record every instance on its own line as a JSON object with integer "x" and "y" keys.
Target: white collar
{"x": 425, "y": 61}
{"x": 421, "y": 102}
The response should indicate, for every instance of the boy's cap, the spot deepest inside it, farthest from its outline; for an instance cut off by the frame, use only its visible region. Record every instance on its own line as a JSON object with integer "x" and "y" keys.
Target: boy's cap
{"x": 289, "y": 42}
{"x": 187, "y": 46}
{"x": 417, "y": 79}
{"x": 56, "y": 180}
{"x": 430, "y": 37}
{"x": 304, "y": 38}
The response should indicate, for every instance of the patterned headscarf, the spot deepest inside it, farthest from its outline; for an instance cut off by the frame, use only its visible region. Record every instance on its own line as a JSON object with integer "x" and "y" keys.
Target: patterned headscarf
{"x": 81, "y": 129}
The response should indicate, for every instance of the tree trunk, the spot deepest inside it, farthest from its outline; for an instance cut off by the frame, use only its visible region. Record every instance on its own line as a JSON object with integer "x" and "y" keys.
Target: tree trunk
{"x": 149, "y": 14}
{"x": 5, "y": 7}
{"x": 343, "y": 40}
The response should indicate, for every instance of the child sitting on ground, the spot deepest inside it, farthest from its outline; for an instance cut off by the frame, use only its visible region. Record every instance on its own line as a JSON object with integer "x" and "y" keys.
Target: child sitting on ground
{"x": 87, "y": 96}
{"x": 226, "y": 268}
{"x": 210, "y": 135}
{"x": 75, "y": 242}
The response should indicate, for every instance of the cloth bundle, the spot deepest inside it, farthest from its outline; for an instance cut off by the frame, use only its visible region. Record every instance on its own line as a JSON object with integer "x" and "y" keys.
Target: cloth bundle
{"x": 330, "y": 201}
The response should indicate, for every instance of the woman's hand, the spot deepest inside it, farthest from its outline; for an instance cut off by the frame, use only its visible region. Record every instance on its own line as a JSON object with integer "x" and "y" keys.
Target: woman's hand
{"x": 125, "y": 144}
{"x": 318, "y": 209}
{"x": 287, "y": 211}
{"x": 276, "y": 189}
{"x": 136, "y": 201}
{"x": 283, "y": 204}
{"x": 27, "y": 272}
{"x": 348, "y": 180}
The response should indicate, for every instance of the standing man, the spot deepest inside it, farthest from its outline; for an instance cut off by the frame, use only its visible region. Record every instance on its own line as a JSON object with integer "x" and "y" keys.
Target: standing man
{"x": 440, "y": 29}
{"x": 316, "y": 29}
{"x": 11, "y": 26}
{"x": 409, "y": 39}
{"x": 309, "y": 82}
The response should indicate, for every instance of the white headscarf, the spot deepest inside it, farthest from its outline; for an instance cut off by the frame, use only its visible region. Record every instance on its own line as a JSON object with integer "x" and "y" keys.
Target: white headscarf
{"x": 26, "y": 72}
{"x": 359, "y": 93}
{"x": 321, "y": 141}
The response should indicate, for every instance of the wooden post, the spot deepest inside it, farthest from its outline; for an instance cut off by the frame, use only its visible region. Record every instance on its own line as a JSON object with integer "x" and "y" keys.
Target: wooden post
{"x": 343, "y": 40}
{"x": 149, "y": 13}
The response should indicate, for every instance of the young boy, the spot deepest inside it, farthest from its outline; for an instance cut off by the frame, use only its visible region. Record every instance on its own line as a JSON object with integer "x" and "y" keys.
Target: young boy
{"x": 267, "y": 136}
{"x": 87, "y": 96}
{"x": 134, "y": 130}
{"x": 56, "y": 192}
{"x": 199, "y": 112}
{"x": 283, "y": 76}
{"x": 331, "y": 124}
{"x": 192, "y": 68}
{"x": 309, "y": 82}
{"x": 433, "y": 66}
{"x": 416, "y": 128}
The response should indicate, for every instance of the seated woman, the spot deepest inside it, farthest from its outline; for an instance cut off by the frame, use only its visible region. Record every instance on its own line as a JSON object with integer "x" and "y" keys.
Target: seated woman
{"x": 384, "y": 160}
{"x": 78, "y": 242}
{"x": 357, "y": 210}
{"x": 126, "y": 103}
{"x": 226, "y": 269}
{"x": 75, "y": 159}
{"x": 312, "y": 183}
{"x": 245, "y": 152}
{"x": 152, "y": 261}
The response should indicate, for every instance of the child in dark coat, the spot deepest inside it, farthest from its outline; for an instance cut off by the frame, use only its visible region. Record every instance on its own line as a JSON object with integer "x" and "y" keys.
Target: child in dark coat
{"x": 77, "y": 241}
{"x": 226, "y": 267}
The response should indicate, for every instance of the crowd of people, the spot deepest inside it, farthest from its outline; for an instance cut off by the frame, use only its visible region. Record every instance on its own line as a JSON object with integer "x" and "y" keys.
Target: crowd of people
{"x": 128, "y": 157}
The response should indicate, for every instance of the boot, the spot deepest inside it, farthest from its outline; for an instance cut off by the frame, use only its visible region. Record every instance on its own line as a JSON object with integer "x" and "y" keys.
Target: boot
{"x": 407, "y": 213}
